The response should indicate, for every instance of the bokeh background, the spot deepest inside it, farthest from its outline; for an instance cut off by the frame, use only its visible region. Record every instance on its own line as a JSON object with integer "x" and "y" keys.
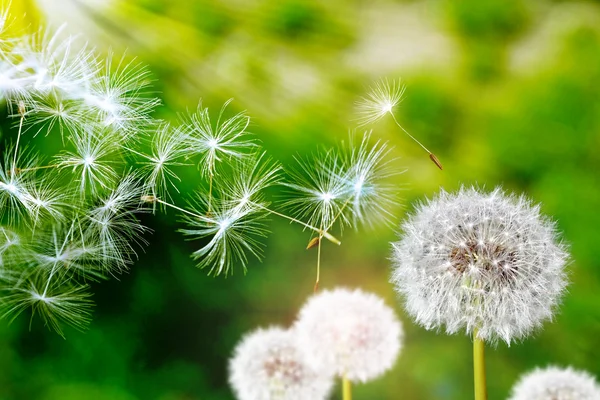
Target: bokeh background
{"x": 505, "y": 93}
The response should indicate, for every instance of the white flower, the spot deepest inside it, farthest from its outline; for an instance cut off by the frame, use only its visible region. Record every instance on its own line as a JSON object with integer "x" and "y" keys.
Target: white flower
{"x": 485, "y": 262}
{"x": 268, "y": 365}
{"x": 554, "y": 383}
{"x": 351, "y": 334}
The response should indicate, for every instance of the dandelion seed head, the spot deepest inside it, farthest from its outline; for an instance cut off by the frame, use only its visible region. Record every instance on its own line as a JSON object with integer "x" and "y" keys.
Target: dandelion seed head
{"x": 555, "y": 383}
{"x": 349, "y": 333}
{"x": 474, "y": 260}
{"x": 268, "y": 365}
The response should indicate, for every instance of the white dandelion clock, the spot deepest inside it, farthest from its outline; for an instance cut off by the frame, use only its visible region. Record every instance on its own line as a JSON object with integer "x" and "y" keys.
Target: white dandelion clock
{"x": 349, "y": 333}
{"x": 268, "y": 365}
{"x": 486, "y": 263}
{"x": 554, "y": 383}
{"x": 480, "y": 261}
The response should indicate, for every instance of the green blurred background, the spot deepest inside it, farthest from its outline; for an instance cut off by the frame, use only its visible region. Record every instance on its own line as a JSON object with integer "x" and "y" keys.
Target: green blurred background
{"x": 505, "y": 93}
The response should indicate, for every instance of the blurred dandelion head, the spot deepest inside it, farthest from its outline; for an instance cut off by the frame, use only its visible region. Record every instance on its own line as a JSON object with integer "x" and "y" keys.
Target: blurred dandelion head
{"x": 349, "y": 333}
{"x": 268, "y": 365}
{"x": 480, "y": 261}
{"x": 554, "y": 383}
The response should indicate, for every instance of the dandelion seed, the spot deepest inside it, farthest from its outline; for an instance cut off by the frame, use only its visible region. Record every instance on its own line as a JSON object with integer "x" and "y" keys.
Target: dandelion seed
{"x": 318, "y": 192}
{"x": 351, "y": 334}
{"x": 268, "y": 365}
{"x": 383, "y": 97}
{"x": 233, "y": 232}
{"x": 15, "y": 199}
{"x": 167, "y": 147}
{"x": 56, "y": 304}
{"x": 372, "y": 198}
{"x": 227, "y": 139}
{"x": 118, "y": 97}
{"x": 484, "y": 262}
{"x": 113, "y": 225}
{"x": 554, "y": 383}
{"x": 90, "y": 161}
{"x": 54, "y": 65}
{"x": 251, "y": 176}
{"x": 382, "y": 100}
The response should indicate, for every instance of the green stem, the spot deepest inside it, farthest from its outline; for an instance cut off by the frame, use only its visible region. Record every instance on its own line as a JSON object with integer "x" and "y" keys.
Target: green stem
{"x": 321, "y": 232}
{"x": 479, "y": 367}
{"x": 316, "y": 287}
{"x": 346, "y": 389}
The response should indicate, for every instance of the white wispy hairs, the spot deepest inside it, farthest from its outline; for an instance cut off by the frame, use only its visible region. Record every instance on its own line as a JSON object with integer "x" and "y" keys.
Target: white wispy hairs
{"x": 119, "y": 96}
{"x": 233, "y": 232}
{"x": 226, "y": 138}
{"x": 488, "y": 263}
{"x": 555, "y": 383}
{"x": 168, "y": 149}
{"x": 67, "y": 234}
{"x": 349, "y": 333}
{"x": 113, "y": 224}
{"x": 348, "y": 185}
{"x": 16, "y": 178}
{"x": 367, "y": 178}
{"x": 380, "y": 101}
{"x": 56, "y": 303}
{"x": 383, "y": 97}
{"x": 55, "y": 66}
{"x": 269, "y": 365}
{"x": 318, "y": 190}
{"x": 91, "y": 161}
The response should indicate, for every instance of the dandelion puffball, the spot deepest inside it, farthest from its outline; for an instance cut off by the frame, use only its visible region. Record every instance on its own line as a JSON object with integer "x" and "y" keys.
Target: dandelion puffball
{"x": 484, "y": 262}
{"x": 268, "y": 365}
{"x": 553, "y": 383}
{"x": 351, "y": 334}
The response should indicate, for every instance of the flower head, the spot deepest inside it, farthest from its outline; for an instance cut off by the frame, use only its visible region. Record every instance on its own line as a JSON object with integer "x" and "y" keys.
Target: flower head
{"x": 381, "y": 100}
{"x": 349, "y": 333}
{"x": 480, "y": 261}
{"x": 268, "y": 365}
{"x": 554, "y": 383}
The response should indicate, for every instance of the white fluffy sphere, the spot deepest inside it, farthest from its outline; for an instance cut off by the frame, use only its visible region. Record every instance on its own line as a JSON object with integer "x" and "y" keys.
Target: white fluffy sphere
{"x": 553, "y": 383}
{"x": 349, "y": 333}
{"x": 475, "y": 260}
{"x": 268, "y": 365}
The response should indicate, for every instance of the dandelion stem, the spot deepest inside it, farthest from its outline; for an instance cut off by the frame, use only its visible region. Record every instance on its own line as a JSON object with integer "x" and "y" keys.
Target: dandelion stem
{"x": 316, "y": 288}
{"x": 346, "y": 388}
{"x": 183, "y": 210}
{"x": 210, "y": 185}
{"x": 22, "y": 112}
{"x": 338, "y": 214}
{"x": 36, "y": 168}
{"x": 321, "y": 232}
{"x": 479, "y": 367}
{"x": 431, "y": 155}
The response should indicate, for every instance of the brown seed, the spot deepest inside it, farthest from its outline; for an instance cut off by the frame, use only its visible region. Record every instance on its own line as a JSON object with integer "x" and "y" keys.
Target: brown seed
{"x": 148, "y": 199}
{"x": 435, "y": 160}
{"x": 313, "y": 242}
